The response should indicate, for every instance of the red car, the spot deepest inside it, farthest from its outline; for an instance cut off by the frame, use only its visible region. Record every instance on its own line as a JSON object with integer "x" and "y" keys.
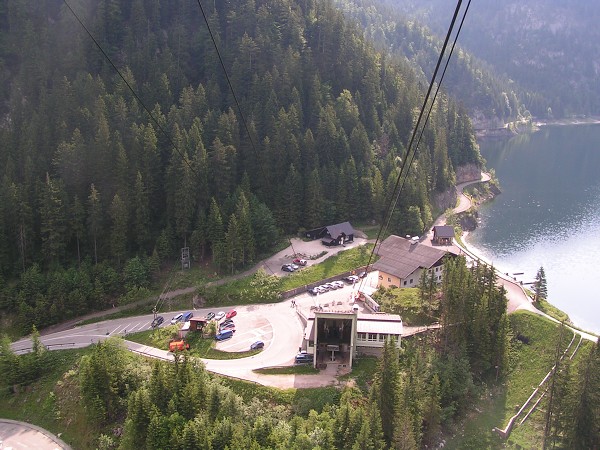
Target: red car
{"x": 231, "y": 314}
{"x": 300, "y": 262}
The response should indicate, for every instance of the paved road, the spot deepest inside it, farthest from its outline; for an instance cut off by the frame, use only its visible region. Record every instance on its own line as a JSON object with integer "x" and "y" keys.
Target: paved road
{"x": 21, "y": 435}
{"x": 279, "y": 325}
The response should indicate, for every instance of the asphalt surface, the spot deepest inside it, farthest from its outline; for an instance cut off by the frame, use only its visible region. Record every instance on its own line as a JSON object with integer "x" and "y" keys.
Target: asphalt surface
{"x": 278, "y": 325}
{"x": 20, "y": 436}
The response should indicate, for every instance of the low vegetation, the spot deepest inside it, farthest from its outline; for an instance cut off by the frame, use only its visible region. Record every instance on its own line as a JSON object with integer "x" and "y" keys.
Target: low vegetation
{"x": 262, "y": 287}
{"x": 408, "y": 303}
{"x": 342, "y": 262}
{"x": 200, "y": 346}
{"x": 300, "y": 369}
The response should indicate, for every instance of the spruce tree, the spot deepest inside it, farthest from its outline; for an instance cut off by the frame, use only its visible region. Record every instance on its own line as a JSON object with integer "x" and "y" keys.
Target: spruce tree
{"x": 94, "y": 219}
{"x": 540, "y": 287}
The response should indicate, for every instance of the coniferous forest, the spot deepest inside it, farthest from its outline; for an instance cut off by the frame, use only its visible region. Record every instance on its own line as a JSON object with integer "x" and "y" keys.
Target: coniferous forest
{"x": 106, "y": 175}
{"x": 104, "y": 178}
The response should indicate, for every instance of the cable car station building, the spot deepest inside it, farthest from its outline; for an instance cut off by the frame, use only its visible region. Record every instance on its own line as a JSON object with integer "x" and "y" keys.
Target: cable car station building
{"x": 338, "y": 336}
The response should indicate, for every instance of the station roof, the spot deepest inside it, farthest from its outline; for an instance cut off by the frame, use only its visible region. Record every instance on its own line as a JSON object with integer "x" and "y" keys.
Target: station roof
{"x": 401, "y": 257}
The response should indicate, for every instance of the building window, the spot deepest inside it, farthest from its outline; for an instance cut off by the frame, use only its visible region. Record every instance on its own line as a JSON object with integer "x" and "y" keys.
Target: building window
{"x": 372, "y": 337}
{"x": 404, "y": 282}
{"x": 411, "y": 281}
{"x": 362, "y": 336}
{"x": 382, "y": 337}
{"x": 389, "y": 280}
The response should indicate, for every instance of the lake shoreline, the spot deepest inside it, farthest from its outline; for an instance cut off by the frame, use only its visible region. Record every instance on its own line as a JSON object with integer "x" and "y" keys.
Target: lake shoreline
{"x": 568, "y": 122}
{"x": 547, "y": 217}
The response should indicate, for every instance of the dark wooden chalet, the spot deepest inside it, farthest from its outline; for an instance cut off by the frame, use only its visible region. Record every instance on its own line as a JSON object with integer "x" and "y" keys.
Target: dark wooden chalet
{"x": 337, "y": 234}
{"x": 443, "y": 234}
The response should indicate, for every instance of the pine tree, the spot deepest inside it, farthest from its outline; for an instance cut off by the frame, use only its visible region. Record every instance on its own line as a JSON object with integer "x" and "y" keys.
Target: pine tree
{"x": 233, "y": 243}
{"x": 584, "y": 431}
{"x": 432, "y": 413}
{"x": 313, "y": 201}
{"x": 388, "y": 396}
{"x": 540, "y": 287}
{"x": 141, "y": 215}
{"x": 214, "y": 226}
{"x": 291, "y": 201}
{"x": 53, "y": 221}
{"x": 245, "y": 229}
{"x": 78, "y": 224}
{"x": 118, "y": 234}
{"x": 94, "y": 219}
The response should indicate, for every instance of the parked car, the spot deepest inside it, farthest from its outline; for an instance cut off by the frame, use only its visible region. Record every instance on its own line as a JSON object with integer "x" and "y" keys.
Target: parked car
{"x": 177, "y": 318}
{"x": 231, "y": 314}
{"x": 304, "y": 358}
{"x": 225, "y": 334}
{"x": 227, "y": 326}
{"x": 350, "y": 279}
{"x": 257, "y": 345}
{"x": 338, "y": 283}
{"x": 324, "y": 288}
{"x": 287, "y": 268}
{"x": 225, "y": 322}
{"x": 314, "y": 290}
{"x": 210, "y": 316}
{"x": 294, "y": 266}
{"x": 157, "y": 321}
{"x": 187, "y": 316}
{"x": 362, "y": 274}
{"x": 300, "y": 262}
{"x": 219, "y": 315}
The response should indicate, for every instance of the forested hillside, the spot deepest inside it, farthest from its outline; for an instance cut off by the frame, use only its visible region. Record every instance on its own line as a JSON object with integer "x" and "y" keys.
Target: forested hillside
{"x": 95, "y": 192}
{"x": 548, "y": 47}
{"x": 489, "y": 96}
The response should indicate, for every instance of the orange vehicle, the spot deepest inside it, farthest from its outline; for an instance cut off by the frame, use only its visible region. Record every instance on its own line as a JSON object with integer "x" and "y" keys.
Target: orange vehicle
{"x": 176, "y": 346}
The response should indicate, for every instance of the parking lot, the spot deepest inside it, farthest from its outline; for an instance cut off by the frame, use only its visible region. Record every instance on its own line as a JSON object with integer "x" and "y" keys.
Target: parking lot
{"x": 250, "y": 327}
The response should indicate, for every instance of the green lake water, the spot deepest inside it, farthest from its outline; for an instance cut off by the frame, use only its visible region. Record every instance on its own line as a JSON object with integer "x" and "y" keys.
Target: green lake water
{"x": 548, "y": 215}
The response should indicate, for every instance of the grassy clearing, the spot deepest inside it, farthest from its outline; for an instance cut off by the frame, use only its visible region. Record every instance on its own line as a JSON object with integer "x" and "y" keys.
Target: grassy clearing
{"x": 51, "y": 403}
{"x": 179, "y": 303}
{"x": 342, "y": 262}
{"x": 301, "y": 401}
{"x": 249, "y": 391}
{"x": 407, "y": 302}
{"x": 194, "y": 276}
{"x": 199, "y": 346}
{"x": 262, "y": 288}
{"x": 363, "y": 372}
{"x": 530, "y": 362}
{"x": 369, "y": 229}
{"x": 533, "y": 362}
{"x": 304, "y": 369}
{"x": 553, "y": 311}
